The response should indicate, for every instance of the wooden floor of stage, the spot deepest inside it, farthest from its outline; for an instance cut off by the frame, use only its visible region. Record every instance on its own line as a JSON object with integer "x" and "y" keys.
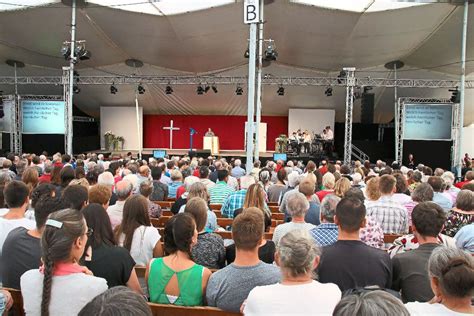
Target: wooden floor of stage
{"x": 182, "y": 152}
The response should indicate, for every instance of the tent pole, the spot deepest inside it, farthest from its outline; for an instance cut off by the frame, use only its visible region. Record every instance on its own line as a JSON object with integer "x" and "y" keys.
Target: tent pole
{"x": 458, "y": 163}
{"x": 259, "y": 83}
{"x": 251, "y": 97}
{"x": 72, "y": 60}
{"x": 138, "y": 126}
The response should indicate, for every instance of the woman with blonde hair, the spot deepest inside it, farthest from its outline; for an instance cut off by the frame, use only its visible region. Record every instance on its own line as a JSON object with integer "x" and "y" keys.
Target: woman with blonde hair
{"x": 342, "y": 186}
{"x": 372, "y": 192}
{"x": 255, "y": 197}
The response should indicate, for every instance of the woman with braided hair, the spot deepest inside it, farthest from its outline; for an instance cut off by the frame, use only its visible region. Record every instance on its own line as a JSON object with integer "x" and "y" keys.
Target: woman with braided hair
{"x": 176, "y": 279}
{"x": 61, "y": 286}
{"x": 297, "y": 294}
{"x": 451, "y": 273}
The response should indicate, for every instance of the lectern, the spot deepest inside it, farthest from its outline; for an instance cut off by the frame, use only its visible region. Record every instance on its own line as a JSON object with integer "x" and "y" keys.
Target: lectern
{"x": 211, "y": 143}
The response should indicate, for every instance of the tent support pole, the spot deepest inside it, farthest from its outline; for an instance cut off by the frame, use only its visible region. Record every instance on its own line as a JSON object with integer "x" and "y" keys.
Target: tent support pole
{"x": 251, "y": 97}
{"x": 72, "y": 60}
{"x": 259, "y": 83}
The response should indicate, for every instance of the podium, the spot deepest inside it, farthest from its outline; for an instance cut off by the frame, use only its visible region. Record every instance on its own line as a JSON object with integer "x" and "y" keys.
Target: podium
{"x": 211, "y": 143}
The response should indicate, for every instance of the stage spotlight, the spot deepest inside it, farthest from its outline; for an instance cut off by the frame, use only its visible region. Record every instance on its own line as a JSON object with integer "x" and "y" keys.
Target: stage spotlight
{"x": 281, "y": 90}
{"x": 239, "y": 90}
{"x": 76, "y": 89}
{"x": 200, "y": 90}
{"x": 207, "y": 88}
{"x": 342, "y": 74}
{"x": 328, "y": 92}
{"x": 271, "y": 53}
{"x": 140, "y": 89}
{"x": 455, "y": 95}
{"x": 66, "y": 51}
{"x": 214, "y": 88}
{"x": 247, "y": 53}
{"x": 113, "y": 89}
{"x": 367, "y": 89}
{"x": 81, "y": 52}
{"x": 168, "y": 90}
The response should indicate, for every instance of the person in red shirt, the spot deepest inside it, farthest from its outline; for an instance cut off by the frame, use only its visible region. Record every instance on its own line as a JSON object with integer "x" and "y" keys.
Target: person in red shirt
{"x": 324, "y": 167}
{"x": 329, "y": 182}
{"x": 46, "y": 176}
{"x": 467, "y": 178}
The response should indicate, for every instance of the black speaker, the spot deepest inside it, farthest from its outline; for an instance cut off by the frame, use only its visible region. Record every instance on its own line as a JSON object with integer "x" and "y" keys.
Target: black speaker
{"x": 367, "y": 108}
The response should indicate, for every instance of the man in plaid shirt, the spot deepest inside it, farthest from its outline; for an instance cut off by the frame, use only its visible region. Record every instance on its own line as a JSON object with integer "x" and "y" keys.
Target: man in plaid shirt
{"x": 326, "y": 233}
{"x": 236, "y": 200}
{"x": 387, "y": 212}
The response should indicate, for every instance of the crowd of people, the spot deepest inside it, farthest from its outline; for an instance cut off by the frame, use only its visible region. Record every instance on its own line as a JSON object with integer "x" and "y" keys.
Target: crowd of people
{"x": 74, "y": 229}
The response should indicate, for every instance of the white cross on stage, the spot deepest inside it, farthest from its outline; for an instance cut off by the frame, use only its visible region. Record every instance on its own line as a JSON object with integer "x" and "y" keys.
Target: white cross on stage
{"x": 171, "y": 128}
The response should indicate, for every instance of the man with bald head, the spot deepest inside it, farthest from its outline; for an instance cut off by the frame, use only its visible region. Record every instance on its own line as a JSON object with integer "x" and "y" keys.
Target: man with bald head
{"x": 143, "y": 174}
{"x": 123, "y": 189}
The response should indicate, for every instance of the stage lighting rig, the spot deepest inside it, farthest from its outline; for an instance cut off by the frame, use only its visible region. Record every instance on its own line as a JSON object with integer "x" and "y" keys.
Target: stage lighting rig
{"x": 247, "y": 53}
{"x": 455, "y": 95}
{"x": 214, "y": 88}
{"x": 76, "y": 89}
{"x": 200, "y": 90}
{"x": 140, "y": 89}
{"x": 328, "y": 92}
{"x": 113, "y": 89}
{"x": 207, "y": 88}
{"x": 239, "y": 90}
{"x": 342, "y": 75}
{"x": 168, "y": 90}
{"x": 270, "y": 52}
{"x": 80, "y": 51}
{"x": 281, "y": 90}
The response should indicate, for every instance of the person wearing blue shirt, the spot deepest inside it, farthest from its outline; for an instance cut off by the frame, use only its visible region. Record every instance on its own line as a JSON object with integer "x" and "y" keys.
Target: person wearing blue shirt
{"x": 238, "y": 171}
{"x": 438, "y": 196}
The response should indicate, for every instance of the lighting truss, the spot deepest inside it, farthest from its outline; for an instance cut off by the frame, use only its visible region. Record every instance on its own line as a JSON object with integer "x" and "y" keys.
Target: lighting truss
{"x": 227, "y": 80}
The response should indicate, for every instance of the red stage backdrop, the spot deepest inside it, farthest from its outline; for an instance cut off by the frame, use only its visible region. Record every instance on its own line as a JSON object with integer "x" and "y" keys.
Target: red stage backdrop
{"x": 229, "y": 129}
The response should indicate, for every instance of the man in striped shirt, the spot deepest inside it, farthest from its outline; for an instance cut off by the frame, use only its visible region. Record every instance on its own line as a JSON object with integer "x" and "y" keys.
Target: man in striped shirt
{"x": 236, "y": 199}
{"x": 221, "y": 190}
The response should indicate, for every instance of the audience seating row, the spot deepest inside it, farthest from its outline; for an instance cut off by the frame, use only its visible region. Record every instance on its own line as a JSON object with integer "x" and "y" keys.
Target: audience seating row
{"x": 156, "y": 309}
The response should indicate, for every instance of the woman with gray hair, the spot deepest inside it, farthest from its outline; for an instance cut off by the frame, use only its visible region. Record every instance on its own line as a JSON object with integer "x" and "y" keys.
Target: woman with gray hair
{"x": 297, "y": 293}
{"x": 297, "y": 208}
{"x": 370, "y": 302}
{"x": 450, "y": 191}
{"x": 422, "y": 193}
{"x": 451, "y": 273}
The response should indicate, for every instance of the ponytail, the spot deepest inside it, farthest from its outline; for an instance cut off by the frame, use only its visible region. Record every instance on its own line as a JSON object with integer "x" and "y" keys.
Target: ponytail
{"x": 47, "y": 282}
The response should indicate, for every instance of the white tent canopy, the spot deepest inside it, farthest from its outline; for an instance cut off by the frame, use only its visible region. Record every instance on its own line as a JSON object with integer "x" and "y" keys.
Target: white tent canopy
{"x": 313, "y": 38}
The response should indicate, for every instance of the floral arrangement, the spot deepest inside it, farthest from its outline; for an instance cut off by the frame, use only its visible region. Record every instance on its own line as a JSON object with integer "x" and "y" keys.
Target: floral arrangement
{"x": 113, "y": 142}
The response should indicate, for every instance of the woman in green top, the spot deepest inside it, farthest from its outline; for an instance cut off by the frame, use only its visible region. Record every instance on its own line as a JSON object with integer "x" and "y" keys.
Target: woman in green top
{"x": 176, "y": 279}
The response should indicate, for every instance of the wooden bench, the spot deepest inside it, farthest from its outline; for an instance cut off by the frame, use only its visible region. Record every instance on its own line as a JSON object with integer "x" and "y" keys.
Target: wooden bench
{"x": 224, "y": 222}
{"x": 272, "y": 203}
{"x": 215, "y": 207}
{"x": 274, "y": 209}
{"x": 390, "y": 238}
{"x": 159, "y": 222}
{"x": 17, "y": 308}
{"x": 166, "y": 310}
{"x": 156, "y": 309}
{"x": 166, "y": 205}
{"x": 278, "y": 216}
{"x": 228, "y": 235}
{"x": 140, "y": 271}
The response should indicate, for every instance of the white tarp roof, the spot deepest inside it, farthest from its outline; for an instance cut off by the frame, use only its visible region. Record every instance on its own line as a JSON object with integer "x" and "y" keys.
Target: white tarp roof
{"x": 313, "y": 38}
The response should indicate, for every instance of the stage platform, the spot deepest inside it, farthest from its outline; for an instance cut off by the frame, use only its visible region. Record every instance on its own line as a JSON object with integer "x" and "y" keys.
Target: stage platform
{"x": 228, "y": 154}
{"x": 181, "y": 152}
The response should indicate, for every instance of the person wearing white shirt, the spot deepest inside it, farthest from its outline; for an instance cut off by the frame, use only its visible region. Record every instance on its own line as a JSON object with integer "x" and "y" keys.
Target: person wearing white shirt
{"x": 136, "y": 234}
{"x": 451, "y": 272}
{"x": 16, "y": 197}
{"x": 297, "y": 294}
{"x": 67, "y": 286}
{"x": 123, "y": 189}
{"x": 329, "y": 133}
